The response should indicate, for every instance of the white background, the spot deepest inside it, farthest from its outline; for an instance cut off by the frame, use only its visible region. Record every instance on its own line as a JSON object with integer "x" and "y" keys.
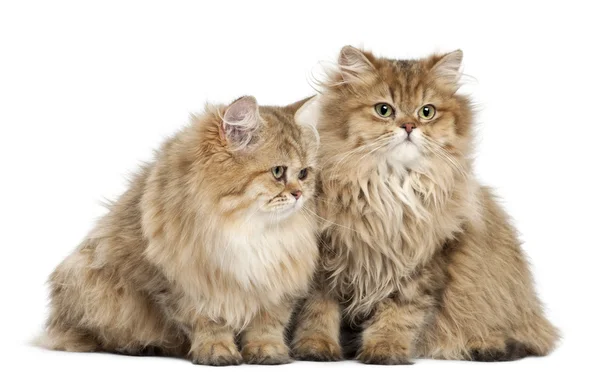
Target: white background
{"x": 88, "y": 89}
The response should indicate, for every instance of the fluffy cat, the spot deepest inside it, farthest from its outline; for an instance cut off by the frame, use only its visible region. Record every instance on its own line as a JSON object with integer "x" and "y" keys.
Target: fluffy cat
{"x": 416, "y": 256}
{"x": 210, "y": 242}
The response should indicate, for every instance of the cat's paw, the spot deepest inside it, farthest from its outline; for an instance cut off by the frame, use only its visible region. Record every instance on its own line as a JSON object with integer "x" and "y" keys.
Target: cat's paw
{"x": 317, "y": 348}
{"x": 265, "y": 352}
{"x": 217, "y": 354}
{"x": 512, "y": 351}
{"x": 388, "y": 352}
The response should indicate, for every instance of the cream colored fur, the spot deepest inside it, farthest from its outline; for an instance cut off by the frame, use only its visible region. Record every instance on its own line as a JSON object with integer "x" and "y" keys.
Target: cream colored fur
{"x": 416, "y": 255}
{"x": 205, "y": 245}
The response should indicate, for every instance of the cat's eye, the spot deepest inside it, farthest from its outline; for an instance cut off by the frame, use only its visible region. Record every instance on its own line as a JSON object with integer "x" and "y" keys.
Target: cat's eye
{"x": 278, "y": 172}
{"x": 427, "y": 112}
{"x": 303, "y": 174}
{"x": 384, "y": 110}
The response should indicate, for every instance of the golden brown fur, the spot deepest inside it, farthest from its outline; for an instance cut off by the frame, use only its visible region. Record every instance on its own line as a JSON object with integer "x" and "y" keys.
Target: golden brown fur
{"x": 415, "y": 254}
{"x": 205, "y": 245}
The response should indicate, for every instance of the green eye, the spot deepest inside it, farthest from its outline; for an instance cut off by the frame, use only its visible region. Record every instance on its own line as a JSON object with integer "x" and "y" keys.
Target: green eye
{"x": 278, "y": 171}
{"x": 384, "y": 110}
{"x": 427, "y": 111}
{"x": 303, "y": 173}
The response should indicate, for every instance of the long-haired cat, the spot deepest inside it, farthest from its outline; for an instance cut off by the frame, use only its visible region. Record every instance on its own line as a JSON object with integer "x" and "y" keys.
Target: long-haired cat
{"x": 416, "y": 254}
{"x": 210, "y": 242}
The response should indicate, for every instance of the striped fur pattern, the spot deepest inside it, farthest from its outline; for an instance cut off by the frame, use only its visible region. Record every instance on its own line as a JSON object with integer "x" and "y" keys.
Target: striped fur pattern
{"x": 206, "y": 247}
{"x": 416, "y": 255}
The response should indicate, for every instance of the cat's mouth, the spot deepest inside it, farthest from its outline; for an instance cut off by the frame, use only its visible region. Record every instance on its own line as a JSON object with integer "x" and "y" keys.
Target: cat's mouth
{"x": 282, "y": 207}
{"x": 408, "y": 144}
{"x": 407, "y": 152}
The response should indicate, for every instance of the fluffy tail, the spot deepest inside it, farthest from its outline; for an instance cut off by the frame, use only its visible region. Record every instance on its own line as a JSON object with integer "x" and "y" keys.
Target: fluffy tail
{"x": 67, "y": 340}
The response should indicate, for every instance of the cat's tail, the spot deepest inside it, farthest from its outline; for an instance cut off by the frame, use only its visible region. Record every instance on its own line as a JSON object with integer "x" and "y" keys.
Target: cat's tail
{"x": 71, "y": 340}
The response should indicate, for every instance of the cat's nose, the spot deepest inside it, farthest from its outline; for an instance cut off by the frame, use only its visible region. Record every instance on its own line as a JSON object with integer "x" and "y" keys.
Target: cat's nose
{"x": 296, "y": 194}
{"x": 408, "y": 127}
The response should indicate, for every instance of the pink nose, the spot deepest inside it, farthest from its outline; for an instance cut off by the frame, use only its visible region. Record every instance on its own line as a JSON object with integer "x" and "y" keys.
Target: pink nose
{"x": 296, "y": 194}
{"x": 408, "y": 127}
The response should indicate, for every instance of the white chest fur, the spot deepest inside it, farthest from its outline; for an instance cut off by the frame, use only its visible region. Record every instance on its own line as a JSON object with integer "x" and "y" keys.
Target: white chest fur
{"x": 246, "y": 269}
{"x": 260, "y": 257}
{"x": 251, "y": 257}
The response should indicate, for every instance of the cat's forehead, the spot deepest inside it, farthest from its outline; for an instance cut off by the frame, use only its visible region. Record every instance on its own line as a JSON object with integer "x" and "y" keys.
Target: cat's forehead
{"x": 402, "y": 69}
{"x": 403, "y": 80}
{"x": 284, "y": 140}
{"x": 276, "y": 118}
{"x": 404, "y": 65}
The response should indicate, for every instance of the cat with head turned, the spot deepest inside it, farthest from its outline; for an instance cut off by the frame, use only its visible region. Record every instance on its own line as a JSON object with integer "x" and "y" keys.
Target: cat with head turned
{"x": 209, "y": 247}
{"x": 417, "y": 258}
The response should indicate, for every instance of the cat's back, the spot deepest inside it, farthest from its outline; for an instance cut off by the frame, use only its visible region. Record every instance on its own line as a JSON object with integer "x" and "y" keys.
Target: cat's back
{"x": 113, "y": 247}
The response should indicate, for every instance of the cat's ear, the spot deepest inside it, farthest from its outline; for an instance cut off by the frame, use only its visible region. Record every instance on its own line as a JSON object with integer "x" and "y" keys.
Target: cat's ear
{"x": 446, "y": 69}
{"x": 240, "y": 123}
{"x": 354, "y": 64}
{"x": 294, "y": 107}
{"x": 307, "y": 115}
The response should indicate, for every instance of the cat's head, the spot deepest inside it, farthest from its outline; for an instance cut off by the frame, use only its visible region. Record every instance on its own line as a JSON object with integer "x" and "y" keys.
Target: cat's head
{"x": 270, "y": 158}
{"x": 404, "y": 111}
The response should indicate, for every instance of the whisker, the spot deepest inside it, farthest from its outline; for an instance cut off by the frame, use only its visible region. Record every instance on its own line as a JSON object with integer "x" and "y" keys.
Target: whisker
{"x": 371, "y": 147}
{"x": 333, "y": 223}
{"x": 322, "y": 199}
{"x": 319, "y": 238}
{"x": 437, "y": 149}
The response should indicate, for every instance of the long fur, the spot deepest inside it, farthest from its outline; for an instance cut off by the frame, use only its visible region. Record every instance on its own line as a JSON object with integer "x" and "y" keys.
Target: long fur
{"x": 205, "y": 245}
{"x": 415, "y": 253}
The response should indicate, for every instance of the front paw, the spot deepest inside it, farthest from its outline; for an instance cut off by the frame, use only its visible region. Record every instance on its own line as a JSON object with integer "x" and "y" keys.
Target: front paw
{"x": 265, "y": 352}
{"x": 217, "y": 354}
{"x": 382, "y": 352}
{"x": 318, "y": 348}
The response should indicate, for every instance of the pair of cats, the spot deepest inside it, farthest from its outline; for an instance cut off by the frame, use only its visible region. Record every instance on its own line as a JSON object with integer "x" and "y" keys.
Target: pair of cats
{"x": 357, "y": 209}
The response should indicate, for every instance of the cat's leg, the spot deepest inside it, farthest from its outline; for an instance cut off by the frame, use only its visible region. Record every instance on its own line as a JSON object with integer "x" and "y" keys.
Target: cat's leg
{"x": 467, "y": 338}
{"x": 526, "y": 334}
{"x": 317, "y": 333}
{"x": 489, "y": 310}
{"x": 213, "y": 343}
{"x": 390, "y": 334}
{"x": 263, "y": 341}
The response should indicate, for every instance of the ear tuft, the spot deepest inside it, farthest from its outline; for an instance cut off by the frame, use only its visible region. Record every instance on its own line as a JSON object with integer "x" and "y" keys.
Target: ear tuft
{"x": 354, "y": 64}
{"x": 447, "y": 70}
{"x": 240, "y": 122}
{"x": 307, "y": 116}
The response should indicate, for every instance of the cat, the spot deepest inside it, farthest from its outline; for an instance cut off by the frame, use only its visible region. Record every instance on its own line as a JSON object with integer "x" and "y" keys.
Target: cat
{"x": 210, "y": 245}
{"x": 416, "y": 257}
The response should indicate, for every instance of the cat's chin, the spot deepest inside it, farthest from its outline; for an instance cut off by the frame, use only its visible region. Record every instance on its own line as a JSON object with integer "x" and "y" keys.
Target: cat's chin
{"x": 407, "y": 154}
{"x": 281, "y": 213}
